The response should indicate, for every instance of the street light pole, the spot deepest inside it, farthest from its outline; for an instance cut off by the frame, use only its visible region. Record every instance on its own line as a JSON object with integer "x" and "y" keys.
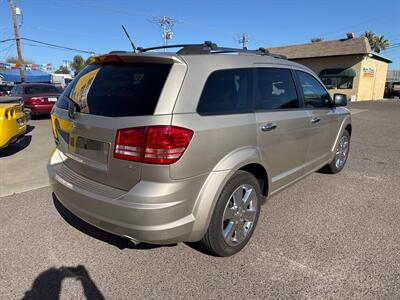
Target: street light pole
{"x": 17, "y": 40}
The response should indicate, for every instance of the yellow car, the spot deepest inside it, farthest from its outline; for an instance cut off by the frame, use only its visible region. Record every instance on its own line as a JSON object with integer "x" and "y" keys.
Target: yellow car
{"x": 12, "y": 120}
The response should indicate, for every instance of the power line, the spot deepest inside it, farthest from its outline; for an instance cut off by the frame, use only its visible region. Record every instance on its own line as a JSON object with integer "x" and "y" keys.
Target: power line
{"x": 58, "y": 46}
{"x": 7, "y": 50}
{"x": 7, "y": 40}
{"x": 44, "y": 46}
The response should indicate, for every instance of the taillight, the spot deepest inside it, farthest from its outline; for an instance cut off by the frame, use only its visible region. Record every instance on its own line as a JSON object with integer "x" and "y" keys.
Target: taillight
{"x": 129, "y": 143}
{"x": 153, "y": 144}
{"x": 36, "y": 100}
{"x": 54, "y": 125}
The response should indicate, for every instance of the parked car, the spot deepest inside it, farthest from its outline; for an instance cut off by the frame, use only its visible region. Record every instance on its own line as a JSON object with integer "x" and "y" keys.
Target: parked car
{"x": 5, "y": 89}
{"x": 171, "y": 147}
{"x": 38, "y": 97}
{"x": 388, "y": 89}
{"x": 12, "y": 121}
{"x": 395, "y": 90}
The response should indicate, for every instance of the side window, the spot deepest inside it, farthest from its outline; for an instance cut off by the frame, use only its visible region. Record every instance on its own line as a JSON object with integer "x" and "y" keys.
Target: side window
{"x": 314, "y": 93}
{"x": 338, "y": 78}
{"x": 13, "y": 90}
{"x": 275, "y": 89}
{"x": 227, "y": 92}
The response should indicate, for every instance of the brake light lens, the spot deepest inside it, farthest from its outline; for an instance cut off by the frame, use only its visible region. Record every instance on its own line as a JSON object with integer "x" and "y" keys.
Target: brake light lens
{"x": 104, "y": 59}
{"x": 109, "y": 59}
{"x": 166, "y": 144}
{"x": 154, "y": 144}
{"x": 36, "y": 100}
{"x": 129, "y": 143}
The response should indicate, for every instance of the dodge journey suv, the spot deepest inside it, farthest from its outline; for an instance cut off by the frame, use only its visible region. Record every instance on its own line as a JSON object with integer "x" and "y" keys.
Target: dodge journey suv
{"x": 185, "y": 147}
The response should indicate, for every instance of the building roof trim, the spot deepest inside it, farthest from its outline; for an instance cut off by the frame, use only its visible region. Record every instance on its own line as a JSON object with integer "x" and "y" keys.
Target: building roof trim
{"x": 352, "y": 46}
{"x": 379, "y": 56}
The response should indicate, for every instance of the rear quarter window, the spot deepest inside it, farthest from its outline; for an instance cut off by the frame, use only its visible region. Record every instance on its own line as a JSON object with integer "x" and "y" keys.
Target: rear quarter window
{"x": 117, "y": 90}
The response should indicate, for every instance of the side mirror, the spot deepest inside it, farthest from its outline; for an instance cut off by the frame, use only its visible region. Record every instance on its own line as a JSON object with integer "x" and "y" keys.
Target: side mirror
{"x": 340, "y": 100}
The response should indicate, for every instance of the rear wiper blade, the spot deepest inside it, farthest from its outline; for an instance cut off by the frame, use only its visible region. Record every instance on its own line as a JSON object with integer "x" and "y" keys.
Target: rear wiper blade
{"x": 73, "y": 107}
{"x": 76, "y": 105}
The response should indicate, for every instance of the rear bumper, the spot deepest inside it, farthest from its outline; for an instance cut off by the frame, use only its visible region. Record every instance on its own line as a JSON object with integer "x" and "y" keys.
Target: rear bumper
{"x": 40, "y": 108}
{"x": 159, "y": 213}
{"x": 14, "y": 138}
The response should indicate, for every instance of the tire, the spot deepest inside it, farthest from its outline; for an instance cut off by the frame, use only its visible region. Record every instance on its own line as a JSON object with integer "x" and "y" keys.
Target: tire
{"x": 240, "y": 217}
{"x": 334, "y": 167}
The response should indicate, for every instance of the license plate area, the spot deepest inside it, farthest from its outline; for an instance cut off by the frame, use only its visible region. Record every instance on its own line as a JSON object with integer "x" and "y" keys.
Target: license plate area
{"x": 86, "y": 149}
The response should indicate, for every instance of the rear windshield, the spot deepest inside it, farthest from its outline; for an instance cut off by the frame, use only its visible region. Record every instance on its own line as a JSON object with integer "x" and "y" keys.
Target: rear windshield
{"x": 40, "y": 89}
{"x": 5, "y": 88}
{"x": 117, "y": 90}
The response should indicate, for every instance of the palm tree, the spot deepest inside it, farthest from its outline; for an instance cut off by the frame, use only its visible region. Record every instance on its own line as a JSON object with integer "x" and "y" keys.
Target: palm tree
{"x": 377, "y": 43}
{"x": 381, "y": 43}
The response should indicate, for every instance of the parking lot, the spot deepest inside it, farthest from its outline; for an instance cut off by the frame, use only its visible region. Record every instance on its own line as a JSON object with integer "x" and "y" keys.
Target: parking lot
{"x": 326, "y": 237}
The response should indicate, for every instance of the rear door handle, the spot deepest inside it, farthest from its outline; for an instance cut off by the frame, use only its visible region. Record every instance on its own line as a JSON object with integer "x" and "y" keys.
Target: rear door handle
{"x": 268, "y": 127}
{"x": 315, "y": 120}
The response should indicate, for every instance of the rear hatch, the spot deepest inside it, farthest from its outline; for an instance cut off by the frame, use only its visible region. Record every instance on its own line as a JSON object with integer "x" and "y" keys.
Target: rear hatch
{"x": 104, "y": 98}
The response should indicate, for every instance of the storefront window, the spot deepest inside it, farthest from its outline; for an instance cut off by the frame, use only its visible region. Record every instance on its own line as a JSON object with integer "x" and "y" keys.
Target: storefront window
{"x": 338, "y": 78}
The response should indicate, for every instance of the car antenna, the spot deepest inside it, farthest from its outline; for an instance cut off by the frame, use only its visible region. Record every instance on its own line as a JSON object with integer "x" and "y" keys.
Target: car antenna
{"x": 129, "y": 38}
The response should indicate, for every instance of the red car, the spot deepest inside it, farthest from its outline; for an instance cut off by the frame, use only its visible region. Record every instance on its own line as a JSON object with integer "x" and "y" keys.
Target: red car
{"x": 38, "y": 97}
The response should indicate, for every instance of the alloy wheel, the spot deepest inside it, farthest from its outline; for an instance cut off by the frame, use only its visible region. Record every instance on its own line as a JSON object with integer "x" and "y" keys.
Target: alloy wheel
{"x": 239, "y": 215}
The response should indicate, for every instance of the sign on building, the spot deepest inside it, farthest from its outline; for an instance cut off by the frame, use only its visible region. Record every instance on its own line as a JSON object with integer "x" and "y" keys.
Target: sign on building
{"x": 368, "y": 71}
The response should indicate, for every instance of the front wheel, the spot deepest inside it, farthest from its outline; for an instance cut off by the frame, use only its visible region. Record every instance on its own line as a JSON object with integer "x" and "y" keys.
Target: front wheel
{"x": 235, "y": 216}
{"x": 341, "y": 154}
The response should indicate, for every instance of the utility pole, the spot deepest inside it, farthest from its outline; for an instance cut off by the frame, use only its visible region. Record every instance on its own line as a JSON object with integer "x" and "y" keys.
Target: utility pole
{"x": 17, "y": 40}
{"x": 166, "y": 23}
{"x": 244, "y": 40}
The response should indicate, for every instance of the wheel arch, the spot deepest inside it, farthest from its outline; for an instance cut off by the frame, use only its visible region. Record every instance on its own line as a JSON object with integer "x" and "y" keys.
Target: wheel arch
{"x": 259, "y": 172}
{"x": 345, "y": 125}
{"x": 348, "y": 128}
{"x": 246, "y": 159}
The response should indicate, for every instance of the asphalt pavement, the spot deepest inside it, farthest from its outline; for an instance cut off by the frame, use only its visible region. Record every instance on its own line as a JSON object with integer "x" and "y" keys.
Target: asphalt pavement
{"x": 23, "y": 166}
{"x": 326, "y": 237}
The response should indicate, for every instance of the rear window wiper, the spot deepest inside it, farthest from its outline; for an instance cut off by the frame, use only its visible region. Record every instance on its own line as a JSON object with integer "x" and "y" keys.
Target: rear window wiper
{"x": 73, "y": 107}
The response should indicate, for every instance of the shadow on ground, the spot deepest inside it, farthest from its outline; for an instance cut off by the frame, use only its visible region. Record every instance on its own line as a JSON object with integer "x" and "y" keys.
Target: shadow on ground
{"x": 48, "y": 284}
{"x": 40, "y": 117}
{"x": 17, "y": 147}
{"x": 114, "y": 240}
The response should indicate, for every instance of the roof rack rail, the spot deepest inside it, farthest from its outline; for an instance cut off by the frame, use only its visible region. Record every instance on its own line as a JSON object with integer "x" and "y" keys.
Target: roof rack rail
{"x": 209, "y": 47}
{"x": 118, "y": 51}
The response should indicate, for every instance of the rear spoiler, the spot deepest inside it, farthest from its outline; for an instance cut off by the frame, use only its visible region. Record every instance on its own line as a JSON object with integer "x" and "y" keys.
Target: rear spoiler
{"x": 7, "y": 99}
{"x": 130, "y": 57}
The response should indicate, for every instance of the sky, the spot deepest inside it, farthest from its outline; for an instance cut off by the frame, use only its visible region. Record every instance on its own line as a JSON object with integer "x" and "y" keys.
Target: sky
{"x": 95, "y": 25}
